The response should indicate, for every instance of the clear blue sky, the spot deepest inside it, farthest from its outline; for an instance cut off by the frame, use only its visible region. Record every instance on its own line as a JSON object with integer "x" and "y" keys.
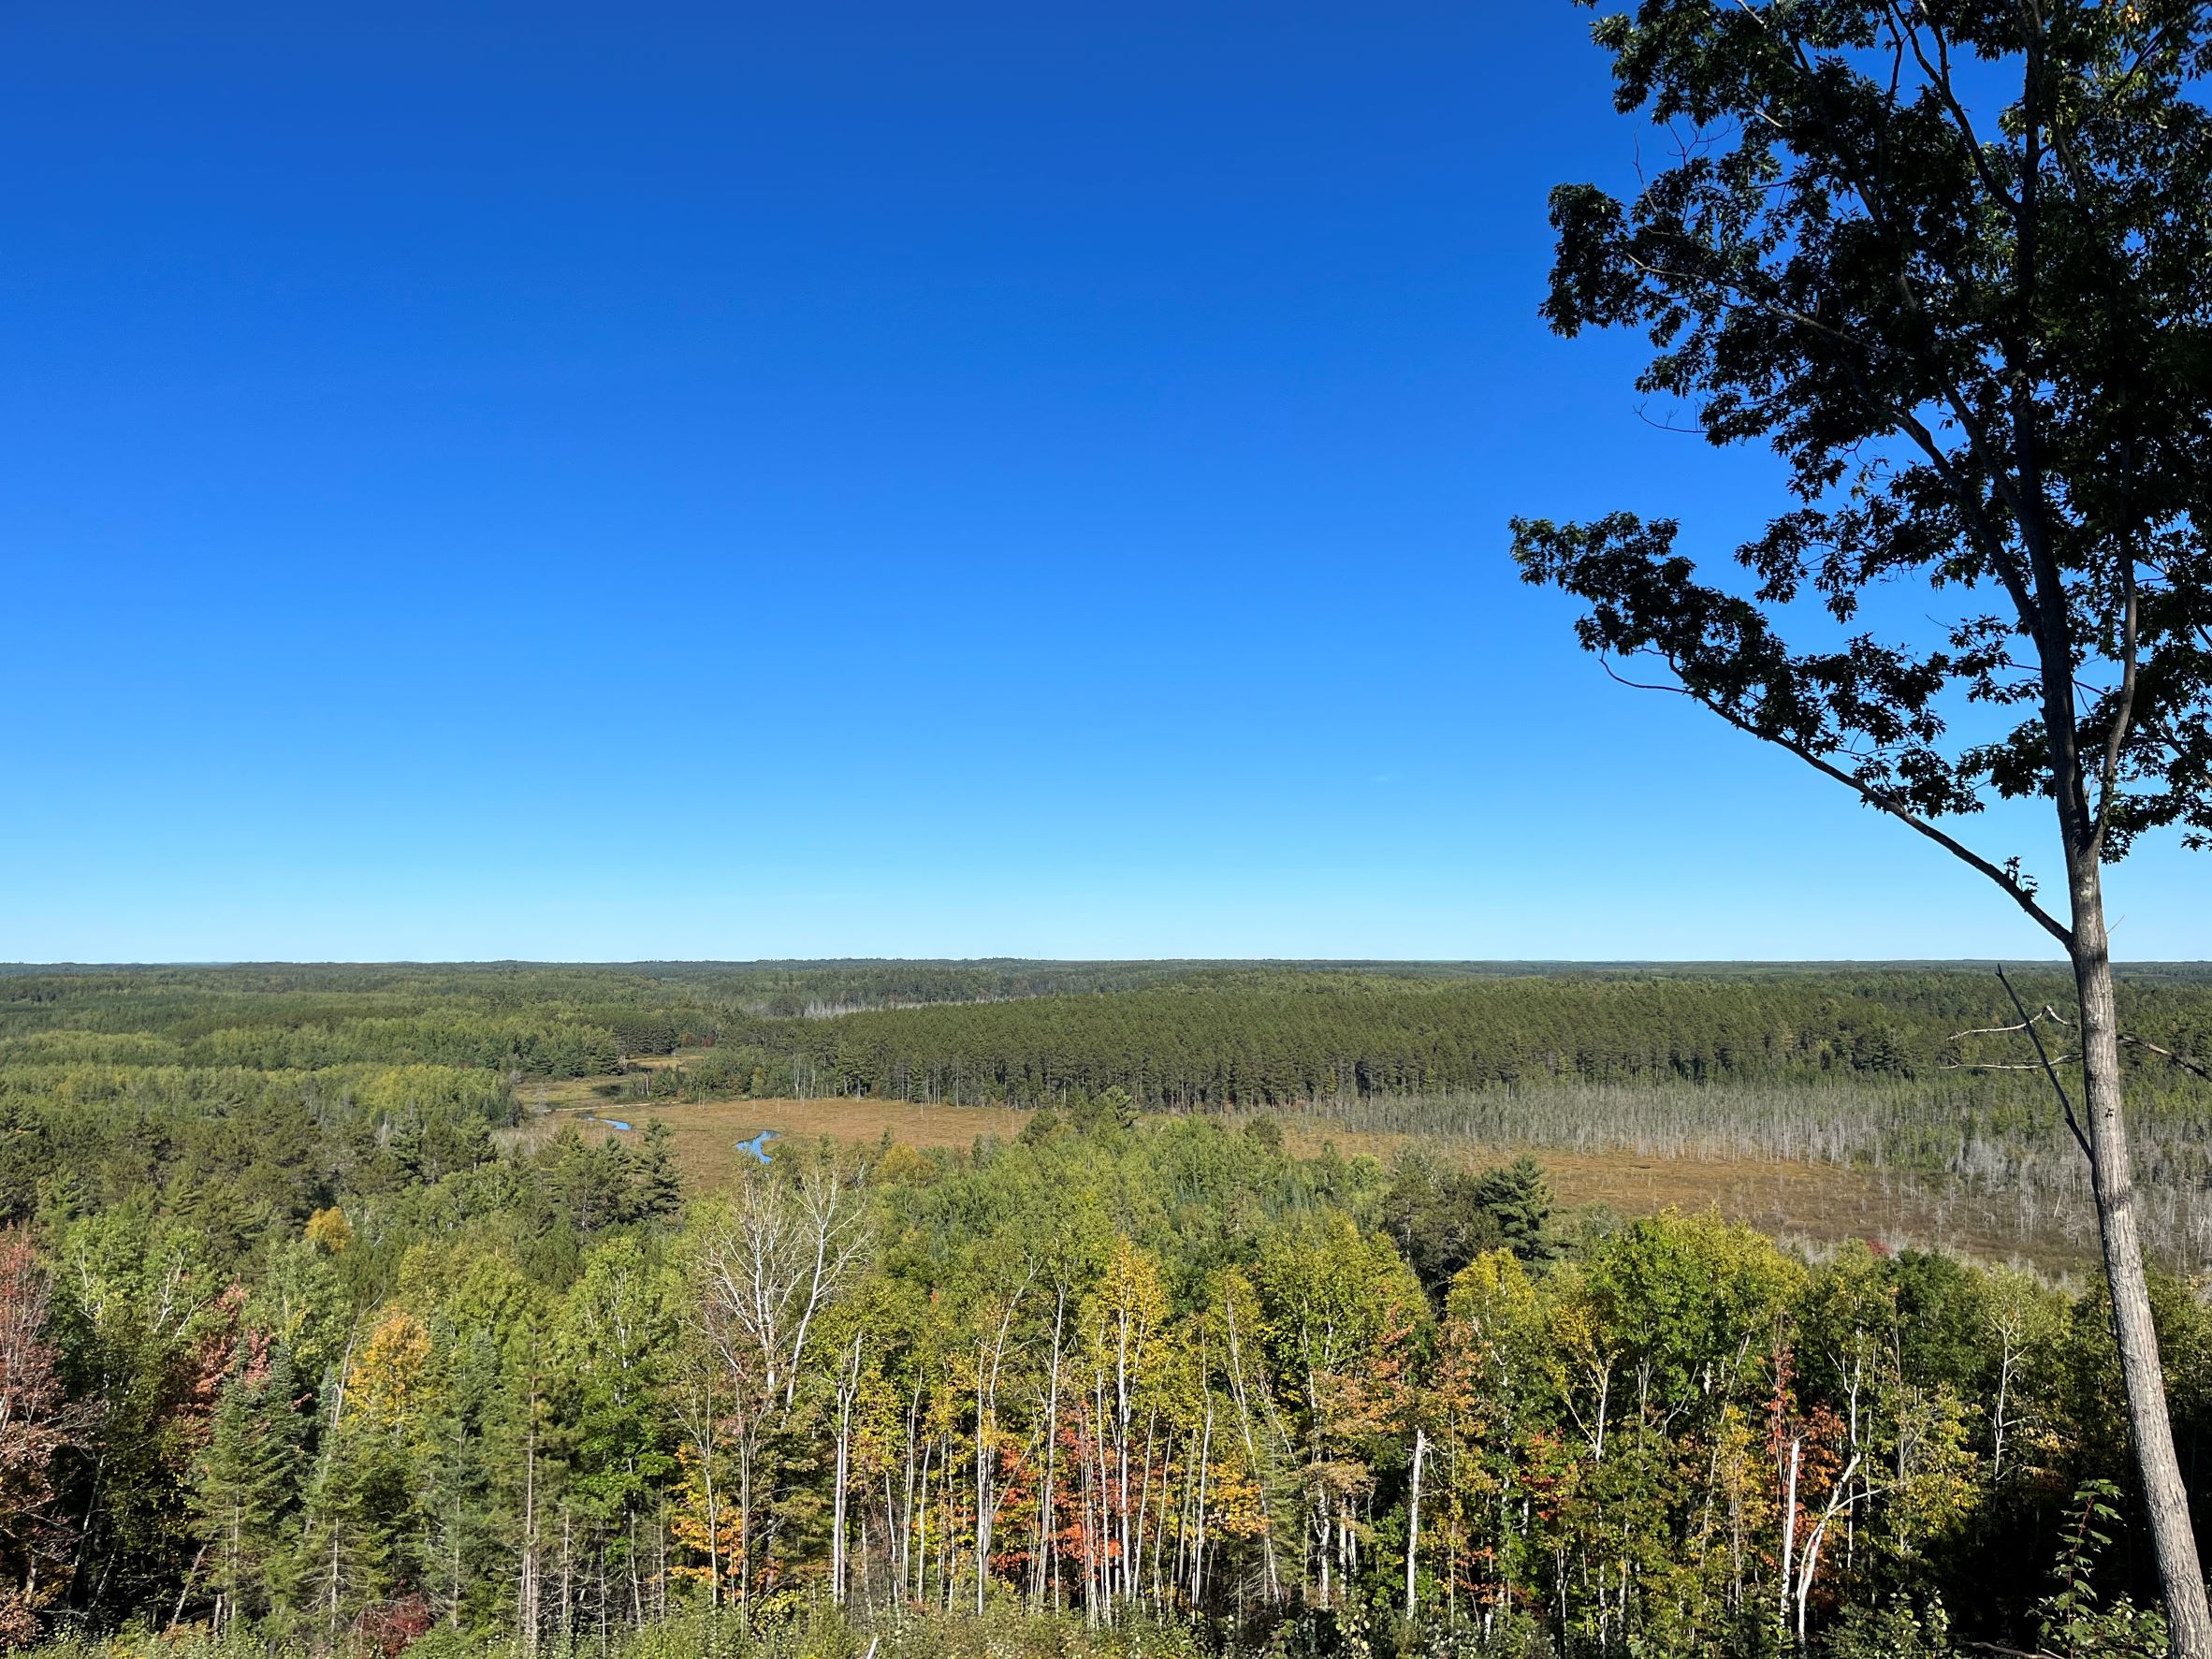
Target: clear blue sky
{"x": 593, "y": 481}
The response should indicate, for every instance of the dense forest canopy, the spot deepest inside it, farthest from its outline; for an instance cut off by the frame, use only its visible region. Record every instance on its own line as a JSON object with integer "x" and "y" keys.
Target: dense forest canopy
{"x": 1859, "y": 1063}
{"x": 316, "y": 1329}
{"x": 1208, "y": 1033}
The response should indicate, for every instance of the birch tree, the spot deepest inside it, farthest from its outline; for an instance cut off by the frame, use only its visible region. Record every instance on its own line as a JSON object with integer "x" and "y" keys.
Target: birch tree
{"x": 769, "y": 1259}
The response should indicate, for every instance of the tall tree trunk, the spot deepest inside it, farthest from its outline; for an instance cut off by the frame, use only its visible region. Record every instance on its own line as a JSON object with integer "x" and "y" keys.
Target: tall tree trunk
{"x": 744, "y": 1548}
{"x": 1413, "y": 1527}
{"x": 1044, "y": 1569}
{"x": 983, "y": 1482}
{"x": 1789, "y": 1537}
{"x": 2164, "y": 1497}
{"x": 526, "y": 1600}
{"x": 848, "y": 1392}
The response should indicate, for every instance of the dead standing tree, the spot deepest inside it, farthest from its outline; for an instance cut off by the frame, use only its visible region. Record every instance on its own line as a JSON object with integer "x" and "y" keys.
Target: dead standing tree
{"x": 1951, "y": 259}
{"x": 772, "y": 1256}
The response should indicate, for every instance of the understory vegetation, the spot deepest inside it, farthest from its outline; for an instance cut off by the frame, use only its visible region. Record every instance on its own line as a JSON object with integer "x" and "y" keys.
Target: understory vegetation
{"x": 300, "y": 1348}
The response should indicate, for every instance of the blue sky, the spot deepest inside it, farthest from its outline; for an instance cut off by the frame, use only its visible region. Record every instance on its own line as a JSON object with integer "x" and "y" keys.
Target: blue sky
{"x": 593, "y": 482}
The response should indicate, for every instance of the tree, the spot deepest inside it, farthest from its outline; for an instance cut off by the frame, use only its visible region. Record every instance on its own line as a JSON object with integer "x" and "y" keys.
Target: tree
{"x": 611, "y": 1346}
{"x": 1343, "y": 1317}
{"x": 589, "y": 1182}
{"x": 1953, "y": 261}
{"x": 247, "y": 1478}
{"x": 1431, "y": 1217}
{"x": 38, "y": 1421}
{"x": 660, "y": 1183}
{"x": 1518, "y": 1200}
{"x": 460, "y": 1447}
{"x": 353, "y": 1510}
{"x": 1487, "y": 1399}
{"x": 1125, "y": 1316}
{"x": 147, "y": 1336}
{"x": 767, "y": 1263}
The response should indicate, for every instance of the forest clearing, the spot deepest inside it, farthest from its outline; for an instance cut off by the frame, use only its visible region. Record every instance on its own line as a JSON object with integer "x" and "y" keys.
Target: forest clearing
{"x": 1819, "y": 1203}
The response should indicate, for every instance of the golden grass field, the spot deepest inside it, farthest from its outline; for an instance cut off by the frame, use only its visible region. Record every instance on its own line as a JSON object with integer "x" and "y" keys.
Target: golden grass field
{"x": 1817, "y": 1203}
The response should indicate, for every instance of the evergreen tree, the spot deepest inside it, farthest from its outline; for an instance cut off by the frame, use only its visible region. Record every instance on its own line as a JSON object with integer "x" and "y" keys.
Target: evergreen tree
{"x": 1517, "y": 1199}
{"x": 660, "y": 1183}
{"x": 247, "y": 1480}
{"x": 356, "y": 1499}
{"x": 1440, "y": 1218}
{"x": 464, "y": 1562}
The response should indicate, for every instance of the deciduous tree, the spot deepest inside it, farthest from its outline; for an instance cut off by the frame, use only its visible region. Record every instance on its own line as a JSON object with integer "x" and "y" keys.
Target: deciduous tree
{"x": 38, "y": 1420}
{"x": 1951, "y": 259}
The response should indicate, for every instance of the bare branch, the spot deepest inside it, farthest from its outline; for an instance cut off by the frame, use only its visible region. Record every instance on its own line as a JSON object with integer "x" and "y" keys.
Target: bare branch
{"x": 2166, "y": 1053}
{"x": 2007, "y": 1030}
{"x": 2049, "y": 1065}
{"x": 2048, "y": 1012}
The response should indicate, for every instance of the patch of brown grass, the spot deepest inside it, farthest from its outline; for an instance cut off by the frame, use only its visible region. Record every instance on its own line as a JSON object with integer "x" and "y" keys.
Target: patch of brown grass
{"x": 708, "y": 1133}
{"x": 1815, "y": 1204}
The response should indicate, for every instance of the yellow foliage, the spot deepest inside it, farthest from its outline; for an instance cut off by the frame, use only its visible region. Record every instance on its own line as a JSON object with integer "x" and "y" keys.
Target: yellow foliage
{"x": 388, "y": 1375}
{"x": 1238, "y": 1505}
{"x": 708, "y": 1531}
{"x": 1128, "y": 1310}
{"x": 899, "y": 1166}
{"x": 329, "y": 1230}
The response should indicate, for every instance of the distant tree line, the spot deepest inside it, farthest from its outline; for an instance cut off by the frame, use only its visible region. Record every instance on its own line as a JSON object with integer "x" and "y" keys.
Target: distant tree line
{"x": 1262, "y": 1039}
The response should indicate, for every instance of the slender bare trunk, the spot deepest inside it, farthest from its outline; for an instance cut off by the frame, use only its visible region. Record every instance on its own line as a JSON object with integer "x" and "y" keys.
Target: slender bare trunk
{"x": 847, "y": 1394}
{"x": 1052, "y": 1446}
{"x": 983, "y": 1425}
{"x": 526, "y": 1602}
{"x": 1789, "y": 1532}
{"x": 1413, "y": 1524}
